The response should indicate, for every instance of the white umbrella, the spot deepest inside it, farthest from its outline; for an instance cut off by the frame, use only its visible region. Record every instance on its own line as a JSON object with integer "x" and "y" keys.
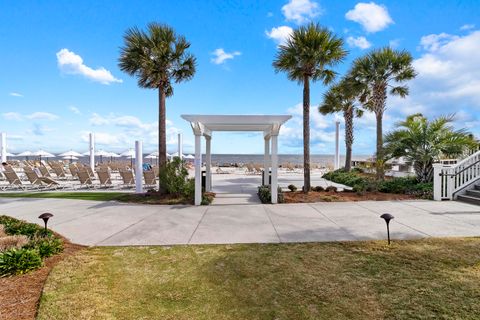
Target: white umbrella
{"x": 101, "y": 153}
{"x": 42, "y": 153}
{"x": 70, "y": 155}
{"x": 189, "y": 157}
{"x": 70, "y": 158}
{"x": 8, "y": 154}
{"x": 25, "y": 154}
{"x": 113, "y": 155}
{"x": 129, "y": 154}
{"x": 86, "y": 153}
{"x": 176, "y": 155}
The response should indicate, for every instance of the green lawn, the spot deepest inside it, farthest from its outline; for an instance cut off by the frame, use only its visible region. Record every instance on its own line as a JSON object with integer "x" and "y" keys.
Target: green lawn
{"x": 98, "y": 196}
{"x": 433, "y": 278}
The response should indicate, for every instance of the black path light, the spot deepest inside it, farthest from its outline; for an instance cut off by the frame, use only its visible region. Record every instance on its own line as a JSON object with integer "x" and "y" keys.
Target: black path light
{"x": 45, "y": 216}
{"x": 387, "y": 217}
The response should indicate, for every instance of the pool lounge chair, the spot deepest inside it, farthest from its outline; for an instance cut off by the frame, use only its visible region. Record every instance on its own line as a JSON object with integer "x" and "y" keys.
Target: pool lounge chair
{"x": 105, "y": 178}
{"x": 128, "y": 178}
{"x": 150, "y": 178}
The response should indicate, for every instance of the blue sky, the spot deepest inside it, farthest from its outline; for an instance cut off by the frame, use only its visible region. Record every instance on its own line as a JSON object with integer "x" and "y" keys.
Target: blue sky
{"x": 60, "y": 79}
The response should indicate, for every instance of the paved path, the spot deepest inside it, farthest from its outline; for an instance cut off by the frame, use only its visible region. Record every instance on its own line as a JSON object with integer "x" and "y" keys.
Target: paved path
{"x": 112, "y": 223}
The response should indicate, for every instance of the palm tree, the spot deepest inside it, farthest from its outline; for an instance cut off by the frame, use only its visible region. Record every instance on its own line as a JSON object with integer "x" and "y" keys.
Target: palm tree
{"x": 308, "y": 55}
{"x": 381, "y": 71}
{"x": 341, "y": 98}
{"x": 157, "y": 59}
{"x": 422, "y": 142}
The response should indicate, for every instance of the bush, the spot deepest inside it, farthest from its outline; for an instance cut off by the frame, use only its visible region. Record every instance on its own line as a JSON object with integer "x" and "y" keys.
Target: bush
{"x": 173, "y": 177}
{"x": 318, "y": 189}
{"x": 266, "y": 196}
{"x": 292, "y": 188}
{"x": 19, "y": 261}
{"x": 351, "y": 179}
{"x": 331, "y": 189}
{"x": 13, "y": 226}
{"x": 10, "y": 242}
{"x": 397, "y": 185}
{"x": 46, "y": 246}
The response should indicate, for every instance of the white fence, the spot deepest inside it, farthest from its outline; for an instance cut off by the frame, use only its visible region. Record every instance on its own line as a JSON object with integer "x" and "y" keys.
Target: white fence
{"x": 450, "y": 179}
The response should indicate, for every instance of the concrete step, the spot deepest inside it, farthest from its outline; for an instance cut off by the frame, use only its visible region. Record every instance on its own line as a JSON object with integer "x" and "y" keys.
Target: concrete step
{"x": 473, "y": 193}
{"x": 477, "y": 187}
{"x": 469, "y": 199}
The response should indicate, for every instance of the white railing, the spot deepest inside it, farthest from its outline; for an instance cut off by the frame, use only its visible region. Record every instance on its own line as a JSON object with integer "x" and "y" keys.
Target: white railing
{"x": 450, "y": 179}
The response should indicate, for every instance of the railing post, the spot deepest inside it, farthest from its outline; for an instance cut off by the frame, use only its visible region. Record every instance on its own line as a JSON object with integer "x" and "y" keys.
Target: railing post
{"x": 437, "y": 181}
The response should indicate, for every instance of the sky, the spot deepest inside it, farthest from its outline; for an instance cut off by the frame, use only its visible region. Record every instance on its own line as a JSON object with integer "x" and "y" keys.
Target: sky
{"x": 60, "y": 78}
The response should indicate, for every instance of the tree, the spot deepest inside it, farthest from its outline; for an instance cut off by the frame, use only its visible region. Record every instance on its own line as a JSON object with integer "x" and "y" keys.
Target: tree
{"x": 381, "y": 71}
{"x": 157, "y": 59}
{"x": 341, "y": 98}
{"x": 309, "y": 54}
{"x": 422, "y": 142}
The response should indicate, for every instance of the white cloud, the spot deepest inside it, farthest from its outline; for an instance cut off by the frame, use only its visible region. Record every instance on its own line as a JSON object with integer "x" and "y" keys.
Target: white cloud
{"x": 71, "y": 63}
{"x": 433, "y": 42}
{"x": 34, "y": 116}
{"x": 98, "y": 120}
{"x": 12, "y": 116}
{"x": 15, "y": 94}
{"x": 42, "y": 116}
{"x": 359, "y": 42}
{"x": 371, "y": 16}
{"x": 467, "y": 27}
{"x": 220, "y": 56}
{"x": 301, "y": 11}
{"x": 105, "y": 139}
{"x": 40, "y": 130}
{"x": 280, "y": 34}
{"x": 74, "y": 110}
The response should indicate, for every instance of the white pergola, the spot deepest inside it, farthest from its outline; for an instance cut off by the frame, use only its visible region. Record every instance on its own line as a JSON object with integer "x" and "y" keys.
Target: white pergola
{"x": 204, "y": 125}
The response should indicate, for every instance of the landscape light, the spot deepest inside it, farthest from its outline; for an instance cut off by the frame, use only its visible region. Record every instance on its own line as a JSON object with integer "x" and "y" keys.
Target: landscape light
{"x": 387, "y": 217}
{"x": 45, "y": 216}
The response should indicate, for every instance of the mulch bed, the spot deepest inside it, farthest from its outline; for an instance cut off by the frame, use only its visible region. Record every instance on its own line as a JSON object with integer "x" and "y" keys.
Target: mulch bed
{"x": 313, "y": 196}
{"x": 159, "y": 198}
{"x": 19, "y": 295}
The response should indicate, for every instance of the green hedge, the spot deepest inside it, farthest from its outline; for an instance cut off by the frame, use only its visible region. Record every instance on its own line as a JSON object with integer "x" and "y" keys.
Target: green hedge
{"x": 40, "y": 245}
{"x": 361, "y": 183}
{"x": 266, "y": 196}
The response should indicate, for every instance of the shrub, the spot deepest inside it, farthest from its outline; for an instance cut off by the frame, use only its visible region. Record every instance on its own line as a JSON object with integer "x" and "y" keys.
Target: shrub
{"x": 292, "y": 188}
{"x": 173, "y": 177}
{"x": 10, "y": 242}
{"x": 266, "y": 196}
{"x": 331, "y": 189}
{"x": 46, "y": 246}
{"x": 397, "y": 185}
{"x": 350, "y": 179}
{"x": 13, "y": 226}
{"x": 318, "y": 189}
{"x": 18, "y": 261}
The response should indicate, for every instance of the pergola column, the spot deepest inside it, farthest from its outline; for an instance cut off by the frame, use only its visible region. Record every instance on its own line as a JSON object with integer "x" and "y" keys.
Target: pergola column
{"x": 208, "y": 160}
{"x": 266, "y": 161}
{"x": 274, "y": 186}
{"x": 3, "y": 146}
{"x": 198, "y": 169}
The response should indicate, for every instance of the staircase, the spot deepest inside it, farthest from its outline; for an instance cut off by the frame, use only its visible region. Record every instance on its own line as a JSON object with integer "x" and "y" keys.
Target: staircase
{"x": 460, "y": 181}
{"x": 471, "y": 196}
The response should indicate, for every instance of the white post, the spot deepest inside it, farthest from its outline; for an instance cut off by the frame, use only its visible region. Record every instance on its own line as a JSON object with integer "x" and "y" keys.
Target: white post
{"x": 274, "y": 186}
{"x": 3, "y": 142}
{"x": 180, "y": 146}
{"x": 138, "y": 167}
{"x": 198, "y": 169}
{"x": 337, "y": 145}
{"x": 437, "y": 181}
{"x": 92, "y": 150}
{"x": 266, "y": 161}
{"x": 208, "y": 159}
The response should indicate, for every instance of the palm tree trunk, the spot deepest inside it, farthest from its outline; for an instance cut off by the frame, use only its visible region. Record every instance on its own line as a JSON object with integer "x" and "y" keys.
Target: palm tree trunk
{"x": 162, "y": 140}
{"x": 379, "y": 99}
{"x": 306, "y": 134}
{"x": 348, "y": 115}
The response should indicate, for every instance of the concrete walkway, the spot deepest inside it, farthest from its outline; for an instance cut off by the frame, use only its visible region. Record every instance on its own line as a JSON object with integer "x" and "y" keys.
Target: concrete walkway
{"x": 112, "y": 223}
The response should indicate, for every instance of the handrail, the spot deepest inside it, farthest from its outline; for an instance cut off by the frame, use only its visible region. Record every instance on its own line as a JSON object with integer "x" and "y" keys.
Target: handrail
{"x": 457, "y": 173}
{"x": 467, "y": 158}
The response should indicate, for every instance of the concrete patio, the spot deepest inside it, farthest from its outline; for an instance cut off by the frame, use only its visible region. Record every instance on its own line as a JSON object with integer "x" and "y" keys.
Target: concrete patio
{"x": 112, "y": 223}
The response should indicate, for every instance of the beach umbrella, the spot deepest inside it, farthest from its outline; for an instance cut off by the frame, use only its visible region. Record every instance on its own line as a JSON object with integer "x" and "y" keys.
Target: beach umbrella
{"x": 86, "y": 153}
{"x": 70, "y": 158}
{"x": 25, "y": 154}
{"x": 189, "y": 157}
{"x": 153, "y": 155}
{"x": 72, "y": 155}
{"x": 113, "y": 155}
{"x": 101, "y": 154}
{"x": 42, "y": 153}
{"x": 176, "y": 155}
{"x": 129, "y": 154}
{"x": 8, "y": 154}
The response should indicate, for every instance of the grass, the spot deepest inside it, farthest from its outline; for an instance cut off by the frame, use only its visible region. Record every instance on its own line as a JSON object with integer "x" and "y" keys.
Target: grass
{"x": 432, "y": 278}
{"x": 98, "y": 196}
